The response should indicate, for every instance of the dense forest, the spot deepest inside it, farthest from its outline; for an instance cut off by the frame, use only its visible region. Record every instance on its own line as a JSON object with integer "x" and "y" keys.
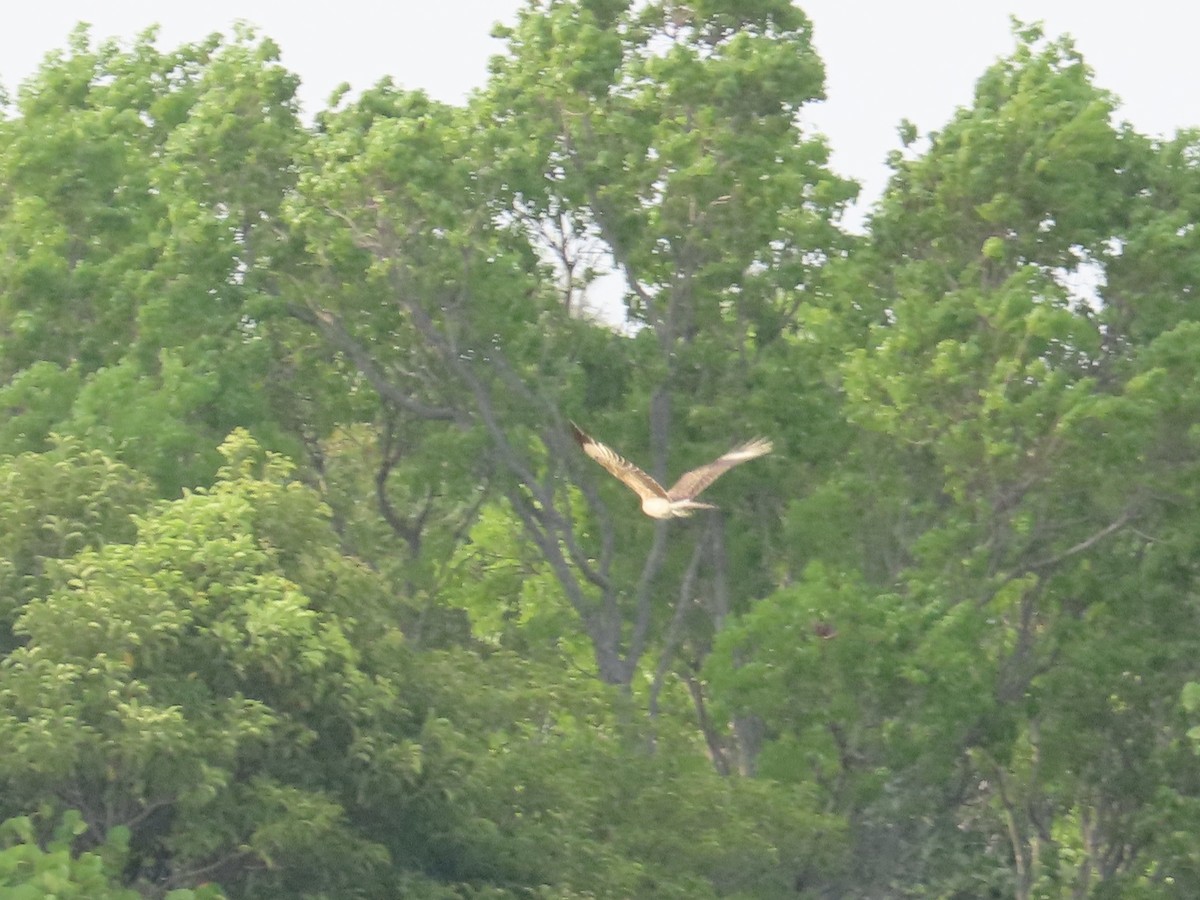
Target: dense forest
{"x": 306, "y": 591}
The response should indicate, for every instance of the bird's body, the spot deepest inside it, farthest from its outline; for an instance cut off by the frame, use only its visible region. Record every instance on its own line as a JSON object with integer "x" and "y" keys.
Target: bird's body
{"x": 680, "y": 500}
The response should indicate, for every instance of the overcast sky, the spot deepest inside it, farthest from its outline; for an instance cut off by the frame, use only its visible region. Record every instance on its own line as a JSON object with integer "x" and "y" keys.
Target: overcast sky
{"x": 885, "y": 61}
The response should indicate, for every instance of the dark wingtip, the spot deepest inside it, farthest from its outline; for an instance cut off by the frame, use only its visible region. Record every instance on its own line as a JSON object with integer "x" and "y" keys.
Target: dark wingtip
{"x": 581, "y": 438}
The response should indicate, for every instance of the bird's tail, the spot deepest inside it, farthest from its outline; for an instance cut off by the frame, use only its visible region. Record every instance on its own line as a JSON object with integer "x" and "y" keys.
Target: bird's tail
{"x": 681, "y": 509}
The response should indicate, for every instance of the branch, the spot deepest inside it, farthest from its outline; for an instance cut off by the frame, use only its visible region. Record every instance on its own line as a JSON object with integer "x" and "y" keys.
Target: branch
{"x": 715, "y": 749}
{"x": 586, "y": 487}
{"x": 240, "y": 857}
{"x": 410, "y": 530}
{"x": 660, "y": 415}
{"x": 642, "y": 601}
{"x": 557, "y": 443}
{"x": 555, "y": 440}
{"x": 671, "y": 640}
{"x": 532, "y": 501}
{"x": 550, "y": 550}
{"x": 720, "y": 563}
{"x": 545, "y": 515}
{"x": 335, "y": 332}
{"x": 1085, "y": 544}
{"x": 600, "y": 209}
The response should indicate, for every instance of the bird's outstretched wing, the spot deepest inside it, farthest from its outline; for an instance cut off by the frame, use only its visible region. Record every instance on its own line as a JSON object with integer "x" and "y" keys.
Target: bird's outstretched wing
{"x": 690, "y": 484}
{"x": 634, "y": 478}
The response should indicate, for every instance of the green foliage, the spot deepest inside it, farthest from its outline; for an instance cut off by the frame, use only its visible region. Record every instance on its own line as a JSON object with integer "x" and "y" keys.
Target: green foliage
{"x": 36, "y": 399}
{"x": 1006, "y": 693}
{"x": 1035, "y": 163}
{"x": 55, "y": 505}
{"x": 154, "y": 671}
{"x": 224, "y": 688}
{"x": 30, "y": 871}
{"x": 136, "y": 220}
{"x": 406, "y": 640}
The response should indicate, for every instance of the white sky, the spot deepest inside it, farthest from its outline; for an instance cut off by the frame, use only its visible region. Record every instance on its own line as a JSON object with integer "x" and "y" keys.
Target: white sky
{"x": 884, "y": 60}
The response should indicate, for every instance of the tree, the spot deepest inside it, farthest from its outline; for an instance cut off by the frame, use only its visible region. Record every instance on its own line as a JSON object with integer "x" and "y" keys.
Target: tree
{"x": 169, "y": 684}
{"x": 1020, "y": 651}
{"x": 138, "y": 215}
{"x": 687, "y": 166}
{"x": 77, "y": 207}
{"x": 231, "y": 696}
{"x": 941, "y": 643}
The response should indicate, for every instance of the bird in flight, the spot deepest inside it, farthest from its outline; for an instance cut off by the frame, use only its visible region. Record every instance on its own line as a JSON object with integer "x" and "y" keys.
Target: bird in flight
{"x": 680, "y": 500}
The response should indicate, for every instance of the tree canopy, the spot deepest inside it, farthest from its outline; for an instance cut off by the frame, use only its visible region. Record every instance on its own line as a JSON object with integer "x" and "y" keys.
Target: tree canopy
{"x": 305, "y": 590}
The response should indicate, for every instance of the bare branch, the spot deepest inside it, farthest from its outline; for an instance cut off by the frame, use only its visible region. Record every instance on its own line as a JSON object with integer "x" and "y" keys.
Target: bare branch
{"x": 715, "y": 749}
{"x": 642, "y": 594}
{"x": 334, "y": 331}
{"x": 671, "y": 641}
{"x": 1085, "y": 544}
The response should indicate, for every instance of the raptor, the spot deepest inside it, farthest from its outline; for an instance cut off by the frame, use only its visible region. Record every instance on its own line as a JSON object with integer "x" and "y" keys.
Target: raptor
{"x": 680, "y": 499}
